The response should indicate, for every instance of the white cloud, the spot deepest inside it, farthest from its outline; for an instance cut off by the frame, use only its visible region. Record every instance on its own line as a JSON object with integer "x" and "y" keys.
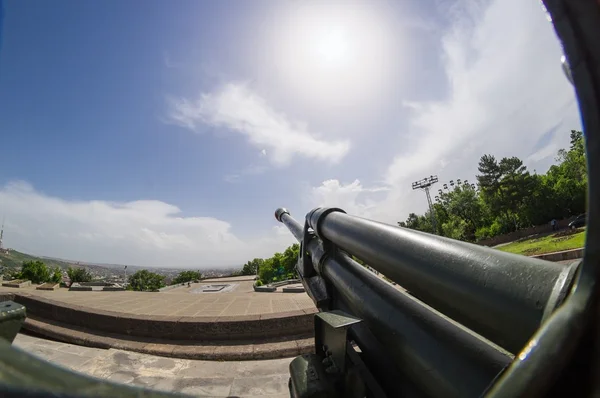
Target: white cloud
{"x": 349, "y": 197}
{"x": 146, "y": 232}
{"x": 506, "y": 90}
{"x": 237, "y": 108}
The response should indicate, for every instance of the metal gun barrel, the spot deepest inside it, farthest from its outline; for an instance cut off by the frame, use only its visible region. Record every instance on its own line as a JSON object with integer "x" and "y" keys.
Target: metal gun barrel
{"x": 441, "y": 357}
{"x": 293, "y": 225}
{"x": 502, "y": 296}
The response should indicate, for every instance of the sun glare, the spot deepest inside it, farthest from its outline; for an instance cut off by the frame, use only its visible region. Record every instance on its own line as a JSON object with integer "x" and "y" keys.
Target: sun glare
{"x": 334, "y": 47}
{"x": 331, "y": 55}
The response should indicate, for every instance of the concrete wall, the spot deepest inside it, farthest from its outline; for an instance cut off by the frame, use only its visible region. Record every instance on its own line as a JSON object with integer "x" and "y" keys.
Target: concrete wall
{"x": 564, "y": 255}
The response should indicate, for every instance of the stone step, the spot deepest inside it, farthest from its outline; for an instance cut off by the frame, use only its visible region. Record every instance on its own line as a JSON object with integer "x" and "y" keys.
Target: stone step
{"x": 238, "y": 328}
{"x": 206, "y": 350}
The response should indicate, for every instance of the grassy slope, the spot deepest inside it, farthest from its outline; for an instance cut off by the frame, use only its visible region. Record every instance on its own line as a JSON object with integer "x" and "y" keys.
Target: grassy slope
{"x": 15, "y": 259}
{"x": 547, "y": 244}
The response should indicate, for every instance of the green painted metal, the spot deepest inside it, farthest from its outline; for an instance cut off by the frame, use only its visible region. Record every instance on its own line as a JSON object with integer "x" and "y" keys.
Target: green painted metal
{"x": 12, "y": 316}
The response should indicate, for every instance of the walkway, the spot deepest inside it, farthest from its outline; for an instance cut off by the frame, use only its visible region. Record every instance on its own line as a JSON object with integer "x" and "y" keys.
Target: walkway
{"x": 246, "y": 379}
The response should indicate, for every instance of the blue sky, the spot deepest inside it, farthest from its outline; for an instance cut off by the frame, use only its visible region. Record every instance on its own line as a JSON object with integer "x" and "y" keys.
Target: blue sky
{"x": 166, "y": 133}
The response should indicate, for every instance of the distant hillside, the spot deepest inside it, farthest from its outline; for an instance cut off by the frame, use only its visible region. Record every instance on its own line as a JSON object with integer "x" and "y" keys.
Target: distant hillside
{"x": 15, "y": 259}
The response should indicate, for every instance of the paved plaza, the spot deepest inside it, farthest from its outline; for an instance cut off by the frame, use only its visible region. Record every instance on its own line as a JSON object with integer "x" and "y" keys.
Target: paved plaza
{"x": 237, "y": 299}
{"x": 267, "y": 378}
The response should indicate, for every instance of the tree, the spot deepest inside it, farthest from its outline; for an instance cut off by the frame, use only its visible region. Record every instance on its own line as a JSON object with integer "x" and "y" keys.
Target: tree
{"x": 455, "y": 228}
{"x": 266, "y": 272}
{"x": 504, "y": 186}
{"x": 35, "y": 271}
{"x": 509, "y": 197}
{"x": 539, "y": 205}
{"x": 459, "y": 212}
{"x": 145, "y": 280}
{"x": 419, "y": 223}
{"x": 568, "y": 180}
{"x": 187, "y": 276}
{"x": 516, "y": 185}
{"x": 252, "y": 267}
{"x": 78, "y": 275}
{"x": 490, "y": 184}
{"x": 56, "y": 276}
{"x": 279, "y": 267}
{"x": 290, "y": 258}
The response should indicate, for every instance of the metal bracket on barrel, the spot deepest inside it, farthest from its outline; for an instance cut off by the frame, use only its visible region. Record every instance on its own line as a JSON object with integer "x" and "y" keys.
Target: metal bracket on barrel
{"x": 306, "y": 264}
{"x": 313, "y": 283}
{"x": 331, "y": 338}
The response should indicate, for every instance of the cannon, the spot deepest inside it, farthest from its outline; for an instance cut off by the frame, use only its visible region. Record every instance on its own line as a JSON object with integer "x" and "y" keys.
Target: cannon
{"x": 467, "y": 322}
{"x": 466, "y": 312}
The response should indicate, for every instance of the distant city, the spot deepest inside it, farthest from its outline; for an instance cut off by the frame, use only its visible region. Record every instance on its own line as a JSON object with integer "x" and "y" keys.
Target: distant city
{"x": 11, "y": 260}
{"x": 117, "y": 273}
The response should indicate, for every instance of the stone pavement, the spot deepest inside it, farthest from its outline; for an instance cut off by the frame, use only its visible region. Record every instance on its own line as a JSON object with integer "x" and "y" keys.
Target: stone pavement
{"x": 238, "y": 301}
{"x": 267, "y": 378}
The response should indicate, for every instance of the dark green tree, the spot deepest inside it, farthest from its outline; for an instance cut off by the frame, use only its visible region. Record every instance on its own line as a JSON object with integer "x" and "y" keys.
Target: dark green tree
{"x": 290, "y": 258}
{"x": 539, "y": 205}
{"x": 252, "y": 267}
{"x": 187, "y": 276}
{"x": 504, "y": 186}
{"x": 56, "y": 276}
{"x": 459, "y": 212}
{"x": 36, "y": 271}
{"x": 144, "y": 281}
{"x": 79, "y": 275}
{"x": 568, "y": 179}
{"x": 516, "y": 186}
{"x": 279, "y": 267}
{"x": 417, "y": 222}
{"x": 267, "y": 272}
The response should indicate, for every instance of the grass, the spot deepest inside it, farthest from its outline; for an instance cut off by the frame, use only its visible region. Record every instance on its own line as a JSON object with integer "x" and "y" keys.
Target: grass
{"x": 551, "y": 243}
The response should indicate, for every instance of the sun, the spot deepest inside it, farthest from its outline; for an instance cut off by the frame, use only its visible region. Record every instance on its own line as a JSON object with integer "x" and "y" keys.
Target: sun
{"x": 334, "y": 47}
{"x": 327, "y": 55}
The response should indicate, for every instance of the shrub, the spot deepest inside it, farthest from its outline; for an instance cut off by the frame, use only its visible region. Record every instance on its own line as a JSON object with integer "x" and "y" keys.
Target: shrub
{"x": 496, "y": 229}
{"x": 259, "y": 283}
{"x": 482, "y": 233}
{"x": 35, "y": 271}
{"x": 145, "y": 280}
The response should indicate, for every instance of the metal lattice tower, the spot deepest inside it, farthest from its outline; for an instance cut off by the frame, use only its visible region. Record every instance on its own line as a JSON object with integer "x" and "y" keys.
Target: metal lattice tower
{"x": 425, "y": 184}
{"x": 2, "y": 235}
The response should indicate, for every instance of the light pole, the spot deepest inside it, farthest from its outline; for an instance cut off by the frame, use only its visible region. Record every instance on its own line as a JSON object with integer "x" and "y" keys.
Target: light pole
{"x": 425, "y": 184}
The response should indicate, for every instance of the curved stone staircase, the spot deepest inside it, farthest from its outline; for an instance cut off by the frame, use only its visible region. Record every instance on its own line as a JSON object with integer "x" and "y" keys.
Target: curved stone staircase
{"x": 245, "y": 337}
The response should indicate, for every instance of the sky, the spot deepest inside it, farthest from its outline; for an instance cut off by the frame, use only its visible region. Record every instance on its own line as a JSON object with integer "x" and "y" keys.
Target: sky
{"x": 161, "y": 133}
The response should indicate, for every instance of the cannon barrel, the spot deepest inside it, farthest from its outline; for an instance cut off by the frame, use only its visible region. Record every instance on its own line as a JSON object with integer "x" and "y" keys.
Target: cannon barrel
{"x": 441, "y": 357}
{"x": 502, "y": 296}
